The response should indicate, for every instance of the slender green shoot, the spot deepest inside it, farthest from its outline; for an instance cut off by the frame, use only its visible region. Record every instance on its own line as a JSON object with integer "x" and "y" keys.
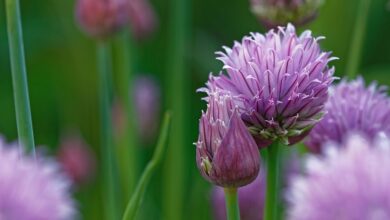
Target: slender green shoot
{"x": 136, "y": 199}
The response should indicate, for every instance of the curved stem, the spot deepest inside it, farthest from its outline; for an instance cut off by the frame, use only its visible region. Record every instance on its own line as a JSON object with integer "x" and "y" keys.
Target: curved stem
{"x": 271, "y": 200}
{"x": 108, "y": 162}
{"x": 136, "y": 198}
{"x": 232, "y": 209}
{"x": 19, "y": 76}
{"x": 356, "y": 46}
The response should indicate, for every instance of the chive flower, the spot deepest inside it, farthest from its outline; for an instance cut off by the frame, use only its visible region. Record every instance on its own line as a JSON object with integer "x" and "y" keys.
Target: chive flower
{"x": 273, "y": 13}
{"x": 146, "y": 92}
{"x": 349, "y": 182}
{"x": 280, "y": 81}
{"x": 352, "y": 108}
{"x": 226, "y": 153}
{"x": 32, "y": 189}
{"x": 76, "y": 159}
{"x": 102, "y": 18}
{"x": 142, "y": 18}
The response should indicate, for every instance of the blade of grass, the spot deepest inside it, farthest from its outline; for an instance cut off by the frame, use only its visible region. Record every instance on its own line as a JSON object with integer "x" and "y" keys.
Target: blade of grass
{"x": 19, "y": 76}
{"x": 357, "y": 41}
{"x": 136, "y": 199}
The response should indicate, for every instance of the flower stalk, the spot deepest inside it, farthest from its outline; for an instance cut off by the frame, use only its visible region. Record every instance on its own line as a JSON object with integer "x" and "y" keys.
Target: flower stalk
{"x": 104, "y": 62}
{"x": 232, "y": 208}
{"x": 125, "y": 65}
{"x": 271, "y": 196}
{"x": 19, "y": 76}
{"x": 357, "y": 41}
{"x": 177, "y": 85}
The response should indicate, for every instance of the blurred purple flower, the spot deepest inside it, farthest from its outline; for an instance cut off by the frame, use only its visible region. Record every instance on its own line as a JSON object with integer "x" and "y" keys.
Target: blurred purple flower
{"x": 142, "y": 18}
{"x": 280, "y": 80}
{"x": 352, "y": 108}
{"x": 347, "y": 183}
{"x": 147, "y": 106}
{"x": 76, "y": 159}
{"x": 250, "y": 199}
{"x": 101, "y": 18}
{"x": 226, "y": 153}
{"x": 273, "y": 13}
{"x": 146, "y": 98}
{"x": 32, "y": 190}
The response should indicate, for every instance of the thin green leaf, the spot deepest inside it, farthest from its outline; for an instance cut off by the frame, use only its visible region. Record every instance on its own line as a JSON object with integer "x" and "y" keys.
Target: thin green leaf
{"x": 136, "y": 199}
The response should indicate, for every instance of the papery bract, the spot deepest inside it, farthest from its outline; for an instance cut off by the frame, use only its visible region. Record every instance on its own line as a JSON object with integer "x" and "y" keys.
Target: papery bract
{"x": 226, "y": 153}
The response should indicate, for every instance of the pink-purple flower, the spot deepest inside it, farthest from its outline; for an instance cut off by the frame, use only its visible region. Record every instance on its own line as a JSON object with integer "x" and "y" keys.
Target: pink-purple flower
{"x": 146, "y": 93}
{"x": 226, "y": 153}
{"x": 101, "y": 18}
{"x": 272, "y": 13}
{"x": 352, "y": 107}
{"x": 142, "y": 18}
{"x": 351, "y": 182}
{"x": 32, "y": 190}
{"x": 280, "y": 83}
{"x": 76, "y": 159}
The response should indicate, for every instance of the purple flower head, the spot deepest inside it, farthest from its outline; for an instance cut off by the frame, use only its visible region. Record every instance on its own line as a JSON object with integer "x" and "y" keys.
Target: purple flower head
{"x": 147, "y": 106}
{"x": 347, "y": 183}
{"x": 352, "y": 108}
{"x": 226, "y": 153}
{"x": 250, "y": 200}
{"x": 76, "y": 159}
{"x": 280, "y": 80}
{"x": 142, "y": 18}
{"x": 32, "y": 190}
{"x": 273, "y": 13}
{"x": 101, "y": 18}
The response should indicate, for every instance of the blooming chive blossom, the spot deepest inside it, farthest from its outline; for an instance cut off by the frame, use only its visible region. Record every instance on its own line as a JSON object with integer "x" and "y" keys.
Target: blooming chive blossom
{"x": 101, "y": 18}
{"x": 76, "y": 159}
{"x": 279, "y": 12}
{"x": 250, "y": 199}
{"x": 32, "y": 190}
{"x": 226, "y": 153}
{"x": 147, "y": 106}
{"x": 280, "y": 80}
{"x": 352, "y": 108}
{"x": 348, "y": 183}
{"x": 142, "y": 18}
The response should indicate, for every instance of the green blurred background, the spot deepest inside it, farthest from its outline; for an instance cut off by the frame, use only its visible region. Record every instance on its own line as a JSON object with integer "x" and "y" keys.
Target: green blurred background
{"x": 61, "y": 64}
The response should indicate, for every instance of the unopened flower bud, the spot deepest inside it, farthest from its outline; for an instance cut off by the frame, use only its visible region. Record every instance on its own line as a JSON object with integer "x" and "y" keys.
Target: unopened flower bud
{"x": 101, "y": 18}
{"x": 226, "y": 153}
{"x": 273, "y": 13}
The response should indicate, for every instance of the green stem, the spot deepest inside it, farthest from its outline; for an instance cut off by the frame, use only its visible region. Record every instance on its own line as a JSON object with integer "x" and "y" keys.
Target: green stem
{"x": 177, "y": 85}
{"x": 19, "y": 76}
{"x": 126, "y": 68}
{"x": 357, "y": 41}
{"x": 108, "y": 162}
{"x": 232, "y": 209}
{"x": 136, "y": 199}
{"x": 271, "y": 200}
